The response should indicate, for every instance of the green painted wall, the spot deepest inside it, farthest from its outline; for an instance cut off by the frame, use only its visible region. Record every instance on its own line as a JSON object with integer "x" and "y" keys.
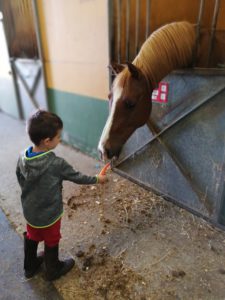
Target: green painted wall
{"x": 83, "y": 117}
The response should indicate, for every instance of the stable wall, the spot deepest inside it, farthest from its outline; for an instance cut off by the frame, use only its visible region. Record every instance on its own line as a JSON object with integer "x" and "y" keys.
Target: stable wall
{"x": 74, "y": 38}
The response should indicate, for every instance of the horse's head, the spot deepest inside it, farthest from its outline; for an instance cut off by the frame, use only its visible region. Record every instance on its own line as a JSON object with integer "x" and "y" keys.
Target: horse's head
{"x": 130, "y": 102}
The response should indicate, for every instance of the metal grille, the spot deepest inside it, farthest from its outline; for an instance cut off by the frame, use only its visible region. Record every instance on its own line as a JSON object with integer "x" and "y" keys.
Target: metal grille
{"x": 130, "y": 25}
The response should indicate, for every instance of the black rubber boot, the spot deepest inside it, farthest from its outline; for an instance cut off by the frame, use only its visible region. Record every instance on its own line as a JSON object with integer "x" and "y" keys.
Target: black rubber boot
{"x": 54, "y": 267}
{"x": 32, "y": 262}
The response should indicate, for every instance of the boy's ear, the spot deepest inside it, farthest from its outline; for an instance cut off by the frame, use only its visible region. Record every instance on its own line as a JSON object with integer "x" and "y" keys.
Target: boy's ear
{"x": 46, "y": 141}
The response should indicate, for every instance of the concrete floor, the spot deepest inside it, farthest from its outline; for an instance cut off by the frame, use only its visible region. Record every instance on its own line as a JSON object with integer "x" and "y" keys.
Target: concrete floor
{"x": 13, "y": 285}
{"x": 163, "y": 252}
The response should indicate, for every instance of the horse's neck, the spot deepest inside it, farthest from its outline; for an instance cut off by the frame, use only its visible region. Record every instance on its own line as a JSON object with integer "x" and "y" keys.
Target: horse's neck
{"x": 165, "y": 51}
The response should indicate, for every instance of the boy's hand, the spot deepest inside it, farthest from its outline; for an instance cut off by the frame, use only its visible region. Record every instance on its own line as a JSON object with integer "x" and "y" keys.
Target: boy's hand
{"x": 102, "y": 179}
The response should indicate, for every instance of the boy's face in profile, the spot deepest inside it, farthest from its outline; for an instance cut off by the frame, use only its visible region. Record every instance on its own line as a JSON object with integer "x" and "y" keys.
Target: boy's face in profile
{"x": 52, "y": 143}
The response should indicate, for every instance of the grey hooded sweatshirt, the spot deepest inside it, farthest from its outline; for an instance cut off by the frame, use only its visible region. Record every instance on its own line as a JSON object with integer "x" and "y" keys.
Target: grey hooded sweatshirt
{"x": 40, "y": 178}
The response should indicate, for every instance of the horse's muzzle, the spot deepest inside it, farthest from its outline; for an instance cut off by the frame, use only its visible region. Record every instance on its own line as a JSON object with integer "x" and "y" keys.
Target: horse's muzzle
{"x": 110, "y": 153}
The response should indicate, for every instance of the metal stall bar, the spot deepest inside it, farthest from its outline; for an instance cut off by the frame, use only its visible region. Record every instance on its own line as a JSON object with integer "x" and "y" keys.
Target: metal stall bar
{"x": 36, "y": 81}
{"x": 147, "y": 29}
{"x": 119, "y": 31}
{"x": 213, "y": 29}
{"x": 137, "y": 17}
{"x": 29, "y": 91}
{"x": 203, "y": 198}
{"x": 18, "y": 98}
{"x": 128, "y": 30}
{"x": 198, "y": 28}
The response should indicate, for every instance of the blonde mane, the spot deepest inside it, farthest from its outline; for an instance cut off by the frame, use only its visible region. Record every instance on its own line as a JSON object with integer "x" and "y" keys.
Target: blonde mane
{"x": 168, "y": 48}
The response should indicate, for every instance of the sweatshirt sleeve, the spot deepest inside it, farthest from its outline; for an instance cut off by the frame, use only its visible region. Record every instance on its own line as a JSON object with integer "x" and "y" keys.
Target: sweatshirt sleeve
{"x": 68, "y": 173}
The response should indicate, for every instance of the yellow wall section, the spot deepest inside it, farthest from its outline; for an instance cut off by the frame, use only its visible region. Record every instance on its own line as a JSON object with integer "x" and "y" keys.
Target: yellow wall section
{"x": 74, "y": 37}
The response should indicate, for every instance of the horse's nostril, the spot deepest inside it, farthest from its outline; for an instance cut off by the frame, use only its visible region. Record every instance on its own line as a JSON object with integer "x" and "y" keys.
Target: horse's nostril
{"x": 112, "y": 153}
{"x": 109, "y": 153}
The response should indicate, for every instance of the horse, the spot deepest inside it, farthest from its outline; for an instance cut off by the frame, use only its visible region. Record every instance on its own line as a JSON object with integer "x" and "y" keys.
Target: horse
{"x": 168, "y": 48}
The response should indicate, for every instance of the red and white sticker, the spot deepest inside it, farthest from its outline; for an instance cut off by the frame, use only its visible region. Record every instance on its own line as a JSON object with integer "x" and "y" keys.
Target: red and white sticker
{"x": 160, "y": 95}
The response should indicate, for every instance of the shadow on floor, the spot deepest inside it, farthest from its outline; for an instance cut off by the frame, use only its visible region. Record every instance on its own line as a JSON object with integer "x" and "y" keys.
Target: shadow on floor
{"x": 13, "y": 284}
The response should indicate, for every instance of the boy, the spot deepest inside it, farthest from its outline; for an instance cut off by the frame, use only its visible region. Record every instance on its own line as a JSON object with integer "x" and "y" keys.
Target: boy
{"x": 40, "y": 174}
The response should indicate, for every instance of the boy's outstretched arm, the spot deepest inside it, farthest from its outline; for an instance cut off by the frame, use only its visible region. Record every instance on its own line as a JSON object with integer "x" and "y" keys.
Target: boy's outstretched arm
{"x": 67, "y": 172}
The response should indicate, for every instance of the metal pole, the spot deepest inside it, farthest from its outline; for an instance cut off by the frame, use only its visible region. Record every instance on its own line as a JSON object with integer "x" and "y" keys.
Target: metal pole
{"x": 111, "y": 32}
{"x": 128, "y": 30}
{"x": 147, "y": 29}
{"x": 119, "y": 31}
{"x": 137, "y": 26}
{"x": 40, "y": 50}
{"x": 198, "y": 28}
{"x": 213, "y": 29}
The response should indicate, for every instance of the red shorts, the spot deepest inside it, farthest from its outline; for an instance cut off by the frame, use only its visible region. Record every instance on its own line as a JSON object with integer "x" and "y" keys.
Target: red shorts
{"x": 50, "y": 235}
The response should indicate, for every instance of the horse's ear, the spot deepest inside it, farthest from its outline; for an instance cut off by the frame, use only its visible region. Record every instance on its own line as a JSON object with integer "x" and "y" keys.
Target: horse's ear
{"x": 116, "y": 68}
{"x": 133, "y": 70}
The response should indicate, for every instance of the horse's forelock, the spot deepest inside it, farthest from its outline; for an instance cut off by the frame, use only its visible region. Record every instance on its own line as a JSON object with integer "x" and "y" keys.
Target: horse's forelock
{"x": 121, "y": 79}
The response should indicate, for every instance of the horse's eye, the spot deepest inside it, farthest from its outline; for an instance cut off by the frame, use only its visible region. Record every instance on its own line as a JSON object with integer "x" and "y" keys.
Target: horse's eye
{"x": 129, "y": 104}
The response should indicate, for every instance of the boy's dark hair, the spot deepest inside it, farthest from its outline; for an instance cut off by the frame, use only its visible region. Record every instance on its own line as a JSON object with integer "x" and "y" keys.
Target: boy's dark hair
{"x": 43, "y": 124}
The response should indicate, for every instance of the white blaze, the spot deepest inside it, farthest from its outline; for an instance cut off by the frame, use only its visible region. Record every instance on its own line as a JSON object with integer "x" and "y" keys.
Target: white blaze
{"x": 117, "y": 91}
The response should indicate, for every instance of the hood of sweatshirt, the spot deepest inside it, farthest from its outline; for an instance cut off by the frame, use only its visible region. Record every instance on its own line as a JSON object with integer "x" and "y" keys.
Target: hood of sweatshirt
{"x": 34, "y": 167}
